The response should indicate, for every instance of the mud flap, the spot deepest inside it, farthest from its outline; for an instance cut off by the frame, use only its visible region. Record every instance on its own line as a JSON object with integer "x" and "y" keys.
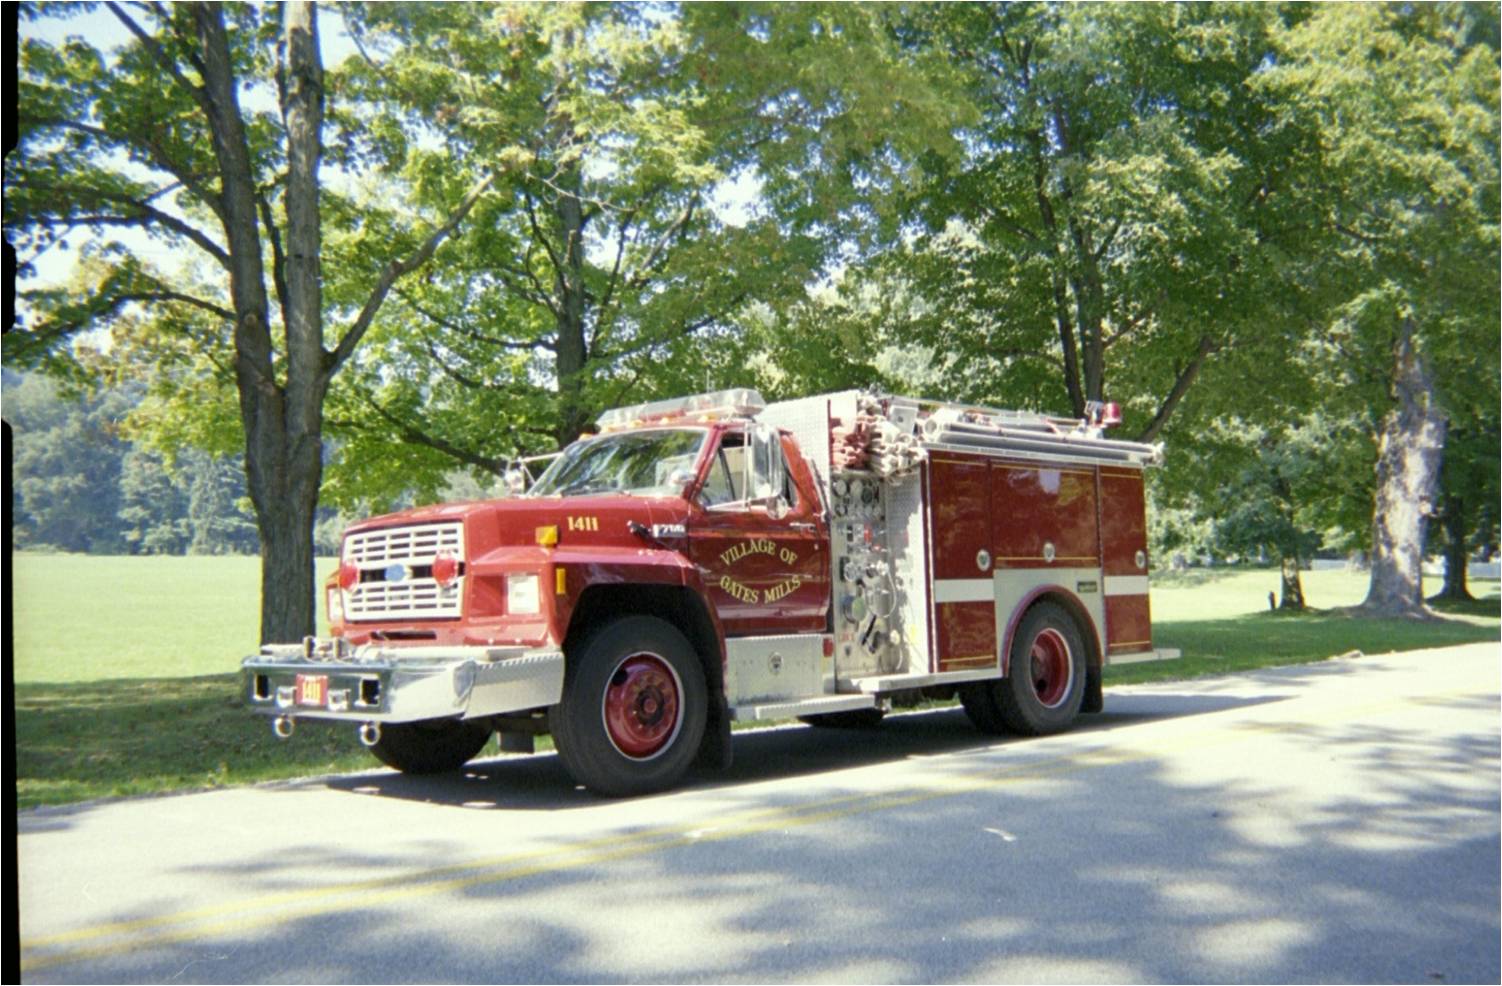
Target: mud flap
{"x": 715, "y": 748}
{"x": 1095, "y": 699}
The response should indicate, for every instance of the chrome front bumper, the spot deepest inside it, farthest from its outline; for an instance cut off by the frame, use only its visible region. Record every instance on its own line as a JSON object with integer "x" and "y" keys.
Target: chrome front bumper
{"x": 328, "y": 679}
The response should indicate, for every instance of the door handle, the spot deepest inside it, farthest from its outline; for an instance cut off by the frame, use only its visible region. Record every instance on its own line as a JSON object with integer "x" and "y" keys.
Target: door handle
{"x": 804, "y": 526}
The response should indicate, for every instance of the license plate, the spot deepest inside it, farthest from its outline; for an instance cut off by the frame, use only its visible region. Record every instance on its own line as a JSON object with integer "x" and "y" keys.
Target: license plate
{"x": 312, "y": 689}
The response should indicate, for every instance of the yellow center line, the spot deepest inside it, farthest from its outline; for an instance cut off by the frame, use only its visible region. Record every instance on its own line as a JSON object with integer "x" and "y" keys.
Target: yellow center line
{"x": 242, "y": 915}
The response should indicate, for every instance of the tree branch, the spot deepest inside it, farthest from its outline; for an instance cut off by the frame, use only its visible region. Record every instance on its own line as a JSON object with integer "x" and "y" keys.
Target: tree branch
{"x": 108, "y": 307}
{"x": 153, "y": 150}
{"x": 200, "y": 94}
{"x": 395, "y": 269}
{"x": 411, "y": 433}
{"x": 1186, "y": 377}
{"x": 539, "y": 237}
{"x": 451, "y": 326}
{"x": 448, "y": 371}
{"x": 278, "y": 258}
{"x": 648, "y": 266}
{"x": 146, "y": 215}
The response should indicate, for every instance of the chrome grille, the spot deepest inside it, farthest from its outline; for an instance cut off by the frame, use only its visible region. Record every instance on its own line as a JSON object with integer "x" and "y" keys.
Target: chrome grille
{"x": 404, "y": 544}
{"x": 375, "y": 553}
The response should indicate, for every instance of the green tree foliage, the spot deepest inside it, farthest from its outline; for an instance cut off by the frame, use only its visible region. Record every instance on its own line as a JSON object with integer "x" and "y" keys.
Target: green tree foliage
{"x": 206, "y": 131}
{"x": 153, "y": 506}
{"x": 66, "y": 467}
{"x": 1282, "y": 489}
{"x": 609, "y": 264}
{"x": 81, "y": 482}
{"x": 216, "y": 523}
{"x": 1405, "y": 99}
{"x": 1469, "y": 492}
{"x": 1120, "y": 223}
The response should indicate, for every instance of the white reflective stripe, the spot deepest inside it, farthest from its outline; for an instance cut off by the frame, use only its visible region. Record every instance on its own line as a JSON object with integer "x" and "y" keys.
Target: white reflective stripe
{"x": 964, "y": 591}
{"x": 1126, "y": 585}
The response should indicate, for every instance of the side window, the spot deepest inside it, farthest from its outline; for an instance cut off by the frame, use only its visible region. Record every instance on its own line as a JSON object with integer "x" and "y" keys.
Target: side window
{"x": 749, "y": 468}
{"x": 727, "y": 472}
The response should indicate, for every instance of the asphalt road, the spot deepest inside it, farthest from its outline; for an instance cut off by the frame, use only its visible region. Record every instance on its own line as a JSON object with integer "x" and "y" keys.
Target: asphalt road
{"x": 1330, "y": 823}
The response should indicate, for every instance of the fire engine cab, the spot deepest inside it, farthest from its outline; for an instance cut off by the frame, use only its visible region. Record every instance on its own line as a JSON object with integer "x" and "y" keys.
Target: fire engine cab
{"x": 716, "y": 558}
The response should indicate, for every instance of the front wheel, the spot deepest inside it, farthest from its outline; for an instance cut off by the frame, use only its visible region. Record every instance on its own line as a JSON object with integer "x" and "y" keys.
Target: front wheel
{"x": 433, "y": 746}
{"x": 634, "y": 708}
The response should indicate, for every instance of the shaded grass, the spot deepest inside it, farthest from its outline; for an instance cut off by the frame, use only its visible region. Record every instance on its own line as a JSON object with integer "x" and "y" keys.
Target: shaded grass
{"x": 79, "y": 741}
{"x": 124, "y": 683}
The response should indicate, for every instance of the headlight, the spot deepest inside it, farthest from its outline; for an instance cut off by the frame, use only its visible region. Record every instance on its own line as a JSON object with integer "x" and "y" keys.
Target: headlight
{"x": 335, "y": 602}
{"x": 521, "y": 595}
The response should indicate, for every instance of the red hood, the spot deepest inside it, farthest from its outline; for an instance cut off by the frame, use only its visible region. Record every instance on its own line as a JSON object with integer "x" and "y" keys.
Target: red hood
{"x": 514, "y": 521}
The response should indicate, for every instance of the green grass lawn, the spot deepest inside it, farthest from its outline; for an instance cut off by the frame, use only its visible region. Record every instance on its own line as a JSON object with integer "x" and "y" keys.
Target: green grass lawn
{"x": 126, "y": 680}
{"x": 90, "y": 617}
{"x": 1220, "y": 620}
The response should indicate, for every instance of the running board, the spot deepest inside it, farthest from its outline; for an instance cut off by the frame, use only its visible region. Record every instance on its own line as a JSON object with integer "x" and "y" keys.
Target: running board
{"x": 1161, "y": 654}
{"x": 804, "y": 707}
{"x": 897, "y": 682}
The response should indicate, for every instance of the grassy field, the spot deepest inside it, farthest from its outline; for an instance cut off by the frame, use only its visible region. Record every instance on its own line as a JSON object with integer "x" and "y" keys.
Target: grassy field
{"x": 125, "y": 680}
{"x": 1219, "y": 619}
{"x": 88, "y": 618}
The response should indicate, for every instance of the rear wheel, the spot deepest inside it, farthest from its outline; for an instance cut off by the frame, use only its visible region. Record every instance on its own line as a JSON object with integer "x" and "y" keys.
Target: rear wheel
{"x": 1045, "y": 682}
{"x": 433, "y": 746}
{"x": 634, "y": 708}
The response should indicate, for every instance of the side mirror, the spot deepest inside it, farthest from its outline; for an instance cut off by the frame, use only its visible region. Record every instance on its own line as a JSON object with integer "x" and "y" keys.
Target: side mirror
{"x": 515, "y": 481}
{"x": 765, "y": 472}
{"x": 680, "y": 478}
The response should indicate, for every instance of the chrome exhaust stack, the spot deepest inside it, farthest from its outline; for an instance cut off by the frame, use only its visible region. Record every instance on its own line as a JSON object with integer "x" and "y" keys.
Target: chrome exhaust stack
{"x": 370, "y": 733}
{"x": 283, "y": 726}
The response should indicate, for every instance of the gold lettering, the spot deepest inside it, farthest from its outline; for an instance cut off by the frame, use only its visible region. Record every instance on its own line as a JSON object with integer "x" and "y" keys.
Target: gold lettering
{"x": 744, "y": 593}
{"x": 753, "y": 546}
{"x": 784, "y": 588}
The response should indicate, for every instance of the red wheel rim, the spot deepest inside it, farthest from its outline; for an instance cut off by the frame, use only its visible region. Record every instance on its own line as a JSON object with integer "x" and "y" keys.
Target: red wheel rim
{"x": 1051, "y": 669}
{"x": 642, "y": 707}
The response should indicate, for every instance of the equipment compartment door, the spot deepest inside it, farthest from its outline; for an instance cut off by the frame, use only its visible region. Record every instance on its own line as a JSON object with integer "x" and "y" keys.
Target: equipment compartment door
{"x": 964, "y": 594}
{"x": 1123, "y": 535}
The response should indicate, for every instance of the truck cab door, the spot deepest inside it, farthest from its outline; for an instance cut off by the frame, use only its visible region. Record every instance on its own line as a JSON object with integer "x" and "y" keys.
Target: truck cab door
{"x": 758, "y": 537}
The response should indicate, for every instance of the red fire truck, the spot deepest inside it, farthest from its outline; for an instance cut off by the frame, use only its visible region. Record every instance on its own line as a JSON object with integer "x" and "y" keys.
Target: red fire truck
{"x": 716, "y": 558}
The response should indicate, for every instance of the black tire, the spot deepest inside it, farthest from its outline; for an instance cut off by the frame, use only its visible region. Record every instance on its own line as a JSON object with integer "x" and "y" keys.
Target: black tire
{"x": 979, "y": 700}
{"x": 849, "y": 719}
{"x": 634, "y": 708}
{"x": 433, "y": 746}
{"x": 1045, "y": 682}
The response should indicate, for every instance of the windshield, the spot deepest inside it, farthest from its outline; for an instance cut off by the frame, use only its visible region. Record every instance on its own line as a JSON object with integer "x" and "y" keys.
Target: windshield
{"x": 639, "y": 462}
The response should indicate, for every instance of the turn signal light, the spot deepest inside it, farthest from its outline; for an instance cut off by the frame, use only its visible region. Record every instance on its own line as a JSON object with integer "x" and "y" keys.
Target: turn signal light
{"x": 547, "y": 536}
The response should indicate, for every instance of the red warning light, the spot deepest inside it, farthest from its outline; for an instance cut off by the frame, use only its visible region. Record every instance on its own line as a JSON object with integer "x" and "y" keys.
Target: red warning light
{"x": 445, "y": 569}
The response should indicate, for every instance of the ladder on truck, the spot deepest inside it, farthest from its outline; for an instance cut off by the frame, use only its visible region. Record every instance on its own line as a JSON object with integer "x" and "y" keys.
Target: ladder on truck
{"x": 966, "y": 427}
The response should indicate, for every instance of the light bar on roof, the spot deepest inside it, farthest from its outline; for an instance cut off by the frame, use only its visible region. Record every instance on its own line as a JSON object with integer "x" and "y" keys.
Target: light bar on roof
{"x": 719, "y": 404}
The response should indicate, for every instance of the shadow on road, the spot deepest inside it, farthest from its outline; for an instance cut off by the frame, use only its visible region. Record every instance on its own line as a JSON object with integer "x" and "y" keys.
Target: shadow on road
{"x": 539, "y": 781}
